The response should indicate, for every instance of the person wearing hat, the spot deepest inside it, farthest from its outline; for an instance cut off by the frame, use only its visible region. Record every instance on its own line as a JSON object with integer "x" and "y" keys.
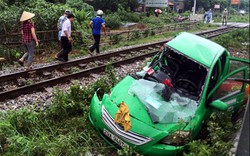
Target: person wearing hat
{"x": 97, "y": 24}
{"x": 66, "y": 39}
{"x": 60, "y": 22}
{"x": 29, "y": 38}
{"x": 224, "y": 17}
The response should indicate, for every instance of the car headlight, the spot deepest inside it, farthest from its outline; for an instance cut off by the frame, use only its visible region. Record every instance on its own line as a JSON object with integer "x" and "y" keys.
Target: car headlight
{"x": 178, "y": 138}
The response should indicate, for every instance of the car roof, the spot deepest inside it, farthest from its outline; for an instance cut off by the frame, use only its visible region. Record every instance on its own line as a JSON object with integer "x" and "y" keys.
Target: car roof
{"x": 198, "y": 48}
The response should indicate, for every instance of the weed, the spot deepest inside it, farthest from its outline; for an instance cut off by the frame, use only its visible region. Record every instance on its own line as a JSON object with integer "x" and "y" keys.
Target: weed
{"x": 218, "y": 141}
{"x": 116, "y": 39}
{"x": 152, "y": 32}
{"x": 74, "y": 69}
{"x": 29, "y": 82}
{"x": 233, "y": 39}
{"x": 127, "y": 151}
{"x": 146, "y": 33}
{"x": 135, "y": 35}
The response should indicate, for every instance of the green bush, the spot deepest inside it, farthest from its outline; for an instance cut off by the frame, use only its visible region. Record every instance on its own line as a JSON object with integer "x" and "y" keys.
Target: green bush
{"x": 218, "y": 141}
{"x": 116, "y": 39}
{"x": 79, "y": 5}
{"x": 23, "y": 121}
{"x": 153, "y": 21}
{"x": 46, "y": 14}
{"x": 113, "y": 21}
{"x": 232, "y": 10}
{"x": 135, "y": 35}
{"x": 186, "y": 13}
{"x": 233, "y": 39}
{"x": 133, "y": 17}
{"x": 10, "y": 54}
{"x": 127, "y": 15}
{"x": 239, "y": 18}
{"x": 146, "y": 33}
{"x": 152, "y": 32}
{"x": 166, "y": 20}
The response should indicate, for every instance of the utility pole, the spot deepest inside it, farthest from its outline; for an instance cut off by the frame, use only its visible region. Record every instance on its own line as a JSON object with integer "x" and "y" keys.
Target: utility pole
{"x": 194, "y": 7}
{"x": 144, "y": 2}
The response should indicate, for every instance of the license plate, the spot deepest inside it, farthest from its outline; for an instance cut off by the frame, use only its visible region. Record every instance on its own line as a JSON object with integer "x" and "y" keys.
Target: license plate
{"x": 115, "y": 138}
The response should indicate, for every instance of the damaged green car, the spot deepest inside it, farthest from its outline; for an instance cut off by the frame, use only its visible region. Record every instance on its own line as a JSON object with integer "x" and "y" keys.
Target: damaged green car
{"x": 168, "y": 101}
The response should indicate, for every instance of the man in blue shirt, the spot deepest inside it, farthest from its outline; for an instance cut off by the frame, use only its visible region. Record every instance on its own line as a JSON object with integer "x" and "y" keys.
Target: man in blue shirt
{"x": 97, "y": 24}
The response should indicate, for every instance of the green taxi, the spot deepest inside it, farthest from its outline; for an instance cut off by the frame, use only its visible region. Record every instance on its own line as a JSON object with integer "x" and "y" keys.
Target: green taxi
{"x": 169, "y": 100}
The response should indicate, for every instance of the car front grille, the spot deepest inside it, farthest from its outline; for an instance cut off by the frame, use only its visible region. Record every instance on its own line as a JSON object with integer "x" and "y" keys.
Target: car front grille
{"x": 129, "y": 136}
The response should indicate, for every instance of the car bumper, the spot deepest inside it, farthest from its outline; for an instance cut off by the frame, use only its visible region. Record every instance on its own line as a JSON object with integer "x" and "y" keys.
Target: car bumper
{"x": 148, "y": 147}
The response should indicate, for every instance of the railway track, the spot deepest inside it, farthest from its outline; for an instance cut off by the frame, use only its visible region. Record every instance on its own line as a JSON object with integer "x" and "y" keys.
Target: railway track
{"x": 23, "y": 82}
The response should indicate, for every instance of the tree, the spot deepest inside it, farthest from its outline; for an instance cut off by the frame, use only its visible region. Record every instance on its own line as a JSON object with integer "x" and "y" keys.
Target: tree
{"x": 111, "y": 5}
{"x": 206, "y": 4}
{"x": 223, "y": 3}
{"x": 244, "y": 4}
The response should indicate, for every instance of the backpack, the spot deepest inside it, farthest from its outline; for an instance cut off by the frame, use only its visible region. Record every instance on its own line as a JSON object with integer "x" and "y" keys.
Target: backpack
{"x": 61, "y": 20}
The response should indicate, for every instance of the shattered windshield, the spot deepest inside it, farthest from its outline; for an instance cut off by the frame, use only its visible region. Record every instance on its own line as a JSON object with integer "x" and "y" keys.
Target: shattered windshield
{"x": 186, "y": 76}
{"x": 172, "y": 86}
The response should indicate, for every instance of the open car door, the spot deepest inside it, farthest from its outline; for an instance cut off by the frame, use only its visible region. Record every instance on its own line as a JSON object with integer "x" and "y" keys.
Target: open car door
{"x": 233, "y": 89}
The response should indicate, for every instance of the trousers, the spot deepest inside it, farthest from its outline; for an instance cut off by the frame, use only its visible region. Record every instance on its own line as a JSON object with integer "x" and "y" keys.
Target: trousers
{"x": 66, "y": 48}
{"x": 96, "y": 44}
{"x": 29, "y": 52}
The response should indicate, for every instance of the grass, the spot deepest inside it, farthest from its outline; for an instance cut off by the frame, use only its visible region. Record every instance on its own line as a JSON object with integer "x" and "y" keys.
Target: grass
{"x": 235, "y": 18}
{"x": 61, "y": 129}
{"x": 153, "y": 38}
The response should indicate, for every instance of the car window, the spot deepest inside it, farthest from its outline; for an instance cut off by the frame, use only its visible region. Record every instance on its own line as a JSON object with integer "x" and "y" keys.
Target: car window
{"x": 214, "y": 77}
{"x": 235, "y": 65}
{"x": 229, "y": 87}
{"x": 223, "y": 62}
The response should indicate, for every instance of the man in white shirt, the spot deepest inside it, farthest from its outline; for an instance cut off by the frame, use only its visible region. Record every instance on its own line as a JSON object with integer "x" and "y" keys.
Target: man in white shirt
{"x": 60, "y": 22}
{"x": 66, "y": 40}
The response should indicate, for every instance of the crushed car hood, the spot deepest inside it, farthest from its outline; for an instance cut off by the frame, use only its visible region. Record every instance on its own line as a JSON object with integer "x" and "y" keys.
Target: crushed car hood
{"x": 157, "y": 115}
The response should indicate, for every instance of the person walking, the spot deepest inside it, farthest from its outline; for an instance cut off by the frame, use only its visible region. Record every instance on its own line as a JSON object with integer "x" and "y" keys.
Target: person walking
{"x": 97, "y": 24}
{"x": 66, "y": 39}
{"x": 224, "y": 17}
{"x": 209, "y": 16}
{"x": 60, "y": 22}
{"x": 29, "y": 39}
{"x": 205, "y": 17}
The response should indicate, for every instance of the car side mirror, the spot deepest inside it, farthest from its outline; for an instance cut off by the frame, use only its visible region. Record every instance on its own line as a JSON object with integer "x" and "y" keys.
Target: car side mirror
{"x": 220, "y": 105}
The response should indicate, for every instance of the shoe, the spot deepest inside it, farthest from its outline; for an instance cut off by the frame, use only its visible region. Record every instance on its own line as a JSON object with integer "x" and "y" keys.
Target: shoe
{"x": 60, "y": 59}
{"x": 57, "y": 58}
{"x": 90, "y": 53}
{"x": 28, "y": 68}
{"x": 20, "y": 62}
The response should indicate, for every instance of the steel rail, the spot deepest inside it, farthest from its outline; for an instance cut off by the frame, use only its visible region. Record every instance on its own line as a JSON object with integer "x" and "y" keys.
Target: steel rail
{"x": 78, "y": 61}
{"x": 54, "y": 81}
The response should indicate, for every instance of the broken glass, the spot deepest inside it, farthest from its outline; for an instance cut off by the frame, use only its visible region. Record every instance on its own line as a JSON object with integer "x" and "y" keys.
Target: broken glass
{"x": 162, "y": 111}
